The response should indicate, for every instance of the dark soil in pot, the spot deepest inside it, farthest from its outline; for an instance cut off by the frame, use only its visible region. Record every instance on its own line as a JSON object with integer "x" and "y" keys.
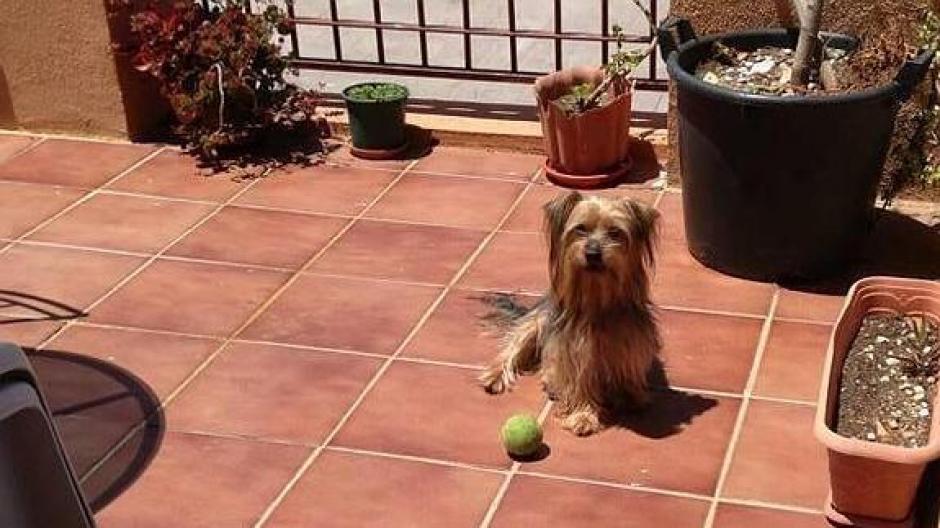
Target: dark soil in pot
{"x": 889, "y": 381}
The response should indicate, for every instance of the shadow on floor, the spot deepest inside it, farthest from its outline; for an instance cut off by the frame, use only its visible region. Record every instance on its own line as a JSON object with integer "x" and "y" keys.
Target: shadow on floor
{"x": 668, "y": 411}
{"x": 100, "y": 410}
{"x": 21, "y": 307}
{"x": 899, "y": 246}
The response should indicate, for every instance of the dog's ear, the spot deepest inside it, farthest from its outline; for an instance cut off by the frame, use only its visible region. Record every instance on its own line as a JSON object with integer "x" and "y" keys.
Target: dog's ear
{"x": 557, "y": 212}
{"x": 644, "y": 227}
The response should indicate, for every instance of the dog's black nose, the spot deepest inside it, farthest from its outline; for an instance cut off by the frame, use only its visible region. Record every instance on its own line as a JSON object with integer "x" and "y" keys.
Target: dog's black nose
{"x": 594, "y": 256}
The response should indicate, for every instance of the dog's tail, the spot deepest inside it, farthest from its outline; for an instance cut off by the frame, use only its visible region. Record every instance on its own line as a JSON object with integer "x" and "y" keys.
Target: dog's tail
{"x": 504, "y": 309}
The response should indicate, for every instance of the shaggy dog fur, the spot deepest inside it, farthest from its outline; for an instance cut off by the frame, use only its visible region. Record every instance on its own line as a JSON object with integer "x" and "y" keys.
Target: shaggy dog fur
{"x": 593, "y": 339}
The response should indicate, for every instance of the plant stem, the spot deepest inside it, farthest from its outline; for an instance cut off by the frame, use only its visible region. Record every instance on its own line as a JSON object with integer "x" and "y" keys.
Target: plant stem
{"x": 602, "y": 88}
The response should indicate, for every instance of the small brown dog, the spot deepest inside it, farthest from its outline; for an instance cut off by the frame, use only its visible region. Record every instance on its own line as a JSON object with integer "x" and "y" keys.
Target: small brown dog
{"x": 593, "y": 337}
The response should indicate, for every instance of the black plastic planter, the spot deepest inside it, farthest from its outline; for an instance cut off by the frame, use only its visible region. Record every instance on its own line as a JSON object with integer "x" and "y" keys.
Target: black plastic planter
{"x": 377, "y": 127}
{"x": 778, "y": 188}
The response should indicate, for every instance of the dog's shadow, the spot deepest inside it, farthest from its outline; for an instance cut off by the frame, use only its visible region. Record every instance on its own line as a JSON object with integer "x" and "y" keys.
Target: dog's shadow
{"x": 668, "y": 411}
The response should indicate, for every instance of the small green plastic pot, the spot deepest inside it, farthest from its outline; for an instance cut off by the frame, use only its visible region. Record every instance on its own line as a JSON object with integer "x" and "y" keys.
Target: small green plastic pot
{"x": 376, "y": 124}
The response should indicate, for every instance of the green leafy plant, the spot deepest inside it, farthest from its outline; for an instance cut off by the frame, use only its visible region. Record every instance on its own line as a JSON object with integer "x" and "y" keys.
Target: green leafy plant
{"x": 223, "y": 72}
{"x": 618, "y": 69}
{"x": 376, "y": 92}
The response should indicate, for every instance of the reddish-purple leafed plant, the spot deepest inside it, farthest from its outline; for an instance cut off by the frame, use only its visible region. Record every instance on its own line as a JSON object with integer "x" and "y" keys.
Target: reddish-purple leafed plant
{"x": 223, "y": 72}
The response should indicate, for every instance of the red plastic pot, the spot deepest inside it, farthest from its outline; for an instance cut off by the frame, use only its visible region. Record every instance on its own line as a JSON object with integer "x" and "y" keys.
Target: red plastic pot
{"x": 588, "y": 150}
{"x": 873, "y": 483}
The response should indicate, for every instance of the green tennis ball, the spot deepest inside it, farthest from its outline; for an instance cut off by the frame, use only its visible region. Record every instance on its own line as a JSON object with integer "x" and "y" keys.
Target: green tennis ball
{"x": 522, "y": 435}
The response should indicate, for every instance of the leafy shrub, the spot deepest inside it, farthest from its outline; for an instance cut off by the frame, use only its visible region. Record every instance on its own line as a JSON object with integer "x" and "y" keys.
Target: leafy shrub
{"x": 223, "y": 72}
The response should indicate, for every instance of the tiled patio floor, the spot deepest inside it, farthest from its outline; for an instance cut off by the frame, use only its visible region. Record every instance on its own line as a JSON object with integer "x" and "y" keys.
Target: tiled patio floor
{"x": 314, "y": 339}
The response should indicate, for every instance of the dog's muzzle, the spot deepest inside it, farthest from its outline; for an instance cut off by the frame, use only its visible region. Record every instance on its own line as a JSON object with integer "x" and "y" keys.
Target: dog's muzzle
{"x": 594, "y": 257}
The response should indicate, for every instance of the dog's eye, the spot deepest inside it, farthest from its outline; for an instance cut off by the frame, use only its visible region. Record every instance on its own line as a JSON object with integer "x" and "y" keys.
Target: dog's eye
{"x": 615, "y": 234}
{"x": 580, "y": 230}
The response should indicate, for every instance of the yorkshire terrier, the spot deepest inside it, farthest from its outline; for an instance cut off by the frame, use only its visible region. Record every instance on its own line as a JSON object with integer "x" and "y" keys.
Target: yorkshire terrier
{"x": 593, "y": 338}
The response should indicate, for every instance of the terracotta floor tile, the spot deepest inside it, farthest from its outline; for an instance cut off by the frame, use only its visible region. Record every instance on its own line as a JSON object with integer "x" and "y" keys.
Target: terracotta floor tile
{"x": 809, "y": 306}
{"x": 777, "y": 457}
{"x": 189, "y": 297}
{"x": 34, "y": 279}
{"x": 385, "y": 250}
{"x": 277, "y": 393}
{"x": 343, "y": 490}
{"x": 733, "y": 516}
{"x": 349, "y": 314}
{"x": 713, "y": 352}
{"x": 127, "y": 223}
{"x": 264, "y": 238}
{"x": 533, "y": 501}
{"x": 677, "y": 427}
{"x": 511, "y": 262}
{"x": 320, "y": 189}
{"x": 72, "y": 163}
{"x": 176, "y": 175}
{"x": 11, "y": 145}
{"x": 477, "y": 162}
{"x": 342, "y": 157}
{"x": 456, "y": 332}
{"x": 528, "y": 216}
{"x": 23, "y": 206}
{"x": 681, "y": 281}
{"x": 163, "y": 361}
{"x": 206, "y": 482}
{"x": 27, "y": 334}
{"x": 405, "y": 414}
{"x": 672, "y": 226}
{"x": 457, "y": 202}
{"x": 793, "y": 360}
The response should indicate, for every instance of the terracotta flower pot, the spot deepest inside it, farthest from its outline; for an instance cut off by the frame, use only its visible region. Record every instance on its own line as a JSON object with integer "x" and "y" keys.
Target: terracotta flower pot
{"x": 591, "y": 149}
{"x": 872, "y": 482}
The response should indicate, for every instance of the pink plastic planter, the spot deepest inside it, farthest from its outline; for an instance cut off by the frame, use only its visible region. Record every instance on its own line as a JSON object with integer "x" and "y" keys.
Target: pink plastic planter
{"x": 873, "y": 484}
{"x": 589, "y": 150}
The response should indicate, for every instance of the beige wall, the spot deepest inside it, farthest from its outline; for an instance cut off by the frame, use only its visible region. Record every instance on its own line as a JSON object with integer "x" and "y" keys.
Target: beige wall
{"x": 58, "y": 73}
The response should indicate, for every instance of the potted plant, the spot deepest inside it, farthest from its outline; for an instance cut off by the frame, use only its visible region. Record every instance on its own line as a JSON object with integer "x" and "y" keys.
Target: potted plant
{"x": 377, "y": 119}
{"x": 878, "y": 405}
{"x": 223, "y": 72}
{"x": 585, "y": 114}
{"x": 779, "y": 163}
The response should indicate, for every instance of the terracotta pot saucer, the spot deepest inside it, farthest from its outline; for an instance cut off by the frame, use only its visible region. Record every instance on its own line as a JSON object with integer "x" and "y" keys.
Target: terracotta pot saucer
{"x": 609, "y": 178}
{"x": 837, "y": 518}
{"x": 379, "y": 154}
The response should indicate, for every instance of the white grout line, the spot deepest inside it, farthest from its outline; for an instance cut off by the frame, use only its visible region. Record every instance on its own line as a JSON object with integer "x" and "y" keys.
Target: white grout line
{"x": 132, "y": 194}
{"x": 504, "y": 486}
{"x": 742, "y": 411}
{"x": 618, "y": 485}
{"x": 31, "y": 146}
{"x": 80, "y": 201}
{"x": 770, "y": 505}
{"x": 411, "y": 458}
{"x": 266, "y": 515}
{"x": 251, "y": 318}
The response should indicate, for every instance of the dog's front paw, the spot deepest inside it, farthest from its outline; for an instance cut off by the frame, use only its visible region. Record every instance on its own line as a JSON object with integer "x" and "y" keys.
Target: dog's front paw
{"x": 494, "y": 381}
{"x": 582, "y": 423}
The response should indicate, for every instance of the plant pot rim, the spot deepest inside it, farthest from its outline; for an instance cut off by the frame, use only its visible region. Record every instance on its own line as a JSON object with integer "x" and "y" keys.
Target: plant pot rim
{"x": 601, "y": 180}
{"x": 891, "y": 89}
{"x": 347, "y": 99}
{"x": 915, "y": 288}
